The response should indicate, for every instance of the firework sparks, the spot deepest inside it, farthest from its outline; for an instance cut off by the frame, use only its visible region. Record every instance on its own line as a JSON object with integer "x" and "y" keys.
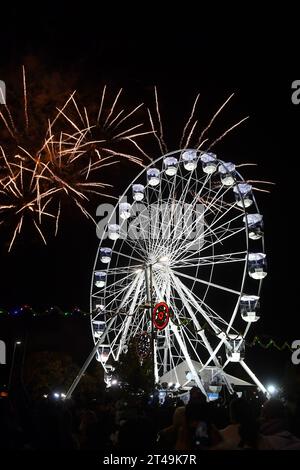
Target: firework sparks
{"x": 44, "y": 166}
{"x": 189, "y": 137}
{"x": 227, "y": 132}
{"x": 181, "y": 145}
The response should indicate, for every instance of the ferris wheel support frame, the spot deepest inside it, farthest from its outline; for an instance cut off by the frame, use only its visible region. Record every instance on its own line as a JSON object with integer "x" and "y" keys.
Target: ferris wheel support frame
{"x": 88, "y": 360}
{"x": 201, "y": 332}
{"x": 254, "y": 378}
{"x": 184, "y": 350}
{"x": 149, "y": 288}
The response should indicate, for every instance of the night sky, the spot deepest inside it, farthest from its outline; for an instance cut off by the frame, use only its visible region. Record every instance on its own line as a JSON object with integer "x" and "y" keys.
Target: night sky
{"x": 90, "y": 48}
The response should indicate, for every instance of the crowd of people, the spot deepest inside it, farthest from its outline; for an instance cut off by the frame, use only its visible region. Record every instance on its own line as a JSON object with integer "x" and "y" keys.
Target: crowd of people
{"x": 134, "y": 422}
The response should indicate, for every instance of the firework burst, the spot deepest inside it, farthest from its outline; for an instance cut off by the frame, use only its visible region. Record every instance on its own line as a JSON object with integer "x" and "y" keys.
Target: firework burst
{"x": 192, "y": 135}
{"x": 47, "y": 164}
{"x": 193, "y": 138}
{"x": 50, "y": 161}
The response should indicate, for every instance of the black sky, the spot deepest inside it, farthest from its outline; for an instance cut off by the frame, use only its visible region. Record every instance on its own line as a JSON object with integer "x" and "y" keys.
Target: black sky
{"x": 182, "y": 58}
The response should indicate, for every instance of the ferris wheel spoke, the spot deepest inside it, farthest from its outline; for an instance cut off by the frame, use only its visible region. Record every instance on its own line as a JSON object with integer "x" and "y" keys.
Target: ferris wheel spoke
{"x": 117, "y": 292}
{"x": 226, "y": 223}
{"x": 129, "y": 318}
{"x": 202, "y": 236}
{"x": 217, "y": 196}
{"x": 173, "y": 233}
{"x": 140, "y": 324}
{"x": 128, "y": 290}
{"x": 190, "y": 346}
{"x": 213, "y": 315}
{"x": 128, "y": 270}
{"x": 123, "y": 255}
{"x": 153, "y": 214}
{"x": 169, "y": 299}
{"x": 209, "y": 263}
{"x": 116, "y": 343}
{"x": 117, "y": 280}
{"x": 187, "y": 357}
{"x": 209, "y": 317}
{"x": 118, "y": 283}
{"x": 186, "y": 250}
{"x": 161, "y": 230}
{"x": 177, "y": 240}
{"x": 137, "y": 245}
{"x": 183, "y": 188}
{"x": 137, "y": 235}
{"x": 221, "y": 240}
{"x": 213, "y": 355}
{"x": 193, "y": 224}
{"x": 198, "y": 327}
{"x": 213, "y": 259}
{"x": 202, "y": 281}
{"x": 168, "y": 361}
{"x": 162, "y": 283}
{"x": 209, "y": 314}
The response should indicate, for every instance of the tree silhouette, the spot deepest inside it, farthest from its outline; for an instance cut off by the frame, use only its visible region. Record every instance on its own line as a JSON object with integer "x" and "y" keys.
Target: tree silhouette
{"x": 48, "y": 372}
{"x": 134, "y": 374}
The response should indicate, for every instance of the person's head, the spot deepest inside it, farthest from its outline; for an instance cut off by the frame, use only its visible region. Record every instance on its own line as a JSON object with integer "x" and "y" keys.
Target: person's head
{"x": 273, "y": 409}
{"x": 240, "y": 411}
{"x": 249, "y": 433}
{"x": 196, "y": 412}
{"x": 88, "y": 418}
{"x": 196, "y": 396}
{"x": 137, "y": 434}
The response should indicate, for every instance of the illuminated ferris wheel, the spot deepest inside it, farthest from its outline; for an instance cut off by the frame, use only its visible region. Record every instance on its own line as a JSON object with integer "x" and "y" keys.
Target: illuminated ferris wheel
{"x": 179, "y": 270}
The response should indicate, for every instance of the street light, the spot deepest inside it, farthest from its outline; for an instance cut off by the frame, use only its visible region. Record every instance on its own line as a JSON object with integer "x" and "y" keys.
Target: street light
{"x": 272, "y": 389}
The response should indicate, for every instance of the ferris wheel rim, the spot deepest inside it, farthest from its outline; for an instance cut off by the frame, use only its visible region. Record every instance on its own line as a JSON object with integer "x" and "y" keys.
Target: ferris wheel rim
{"x": 142, "y": 172}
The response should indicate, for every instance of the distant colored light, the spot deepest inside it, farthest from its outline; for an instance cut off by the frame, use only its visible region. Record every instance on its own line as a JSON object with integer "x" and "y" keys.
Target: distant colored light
{"x": 15, "y": 312}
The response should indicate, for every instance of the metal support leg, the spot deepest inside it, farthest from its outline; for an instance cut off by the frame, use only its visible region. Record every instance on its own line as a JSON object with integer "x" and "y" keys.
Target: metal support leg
{"x": 255, "y": 379}
{"x": 88, "y": 360}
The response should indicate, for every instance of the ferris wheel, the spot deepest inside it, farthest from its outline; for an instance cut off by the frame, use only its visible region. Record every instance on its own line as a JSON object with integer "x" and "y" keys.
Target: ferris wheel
{"x": 179, "y": 270}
